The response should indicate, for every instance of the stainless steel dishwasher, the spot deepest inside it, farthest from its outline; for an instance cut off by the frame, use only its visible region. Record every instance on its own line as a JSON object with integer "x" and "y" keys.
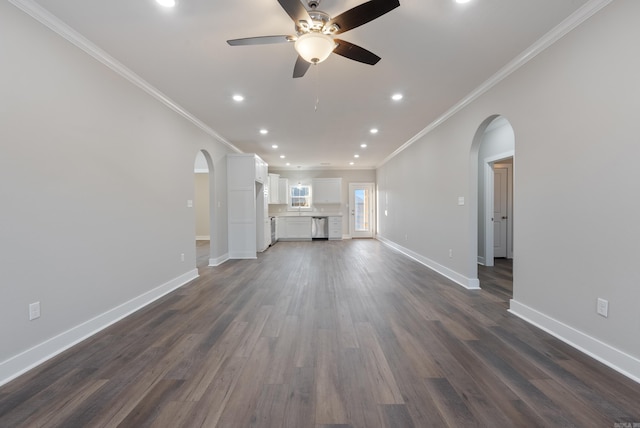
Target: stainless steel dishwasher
{"x": 319, "y": 229}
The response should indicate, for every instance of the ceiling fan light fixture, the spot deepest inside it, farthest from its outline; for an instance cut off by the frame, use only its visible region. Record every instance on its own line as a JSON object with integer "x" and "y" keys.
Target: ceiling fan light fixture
{"x": 314, "y": 47}
{"x": 166, "y": 3}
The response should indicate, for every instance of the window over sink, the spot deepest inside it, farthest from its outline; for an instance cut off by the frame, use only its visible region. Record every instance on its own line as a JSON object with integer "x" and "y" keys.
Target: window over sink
{"x": 300, "y": 197}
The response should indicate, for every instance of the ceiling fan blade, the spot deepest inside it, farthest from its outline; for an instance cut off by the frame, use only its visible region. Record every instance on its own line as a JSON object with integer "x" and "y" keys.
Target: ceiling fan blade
{"x": 355, "y": 52}
{"x": 301, "y": 67}
{"x": 295, "y": 10}
{"x": 262, "y": 40}
{"x": 362, "y": 14}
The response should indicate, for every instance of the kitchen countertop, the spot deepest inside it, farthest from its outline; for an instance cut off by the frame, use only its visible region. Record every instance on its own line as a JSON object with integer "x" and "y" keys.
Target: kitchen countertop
{"x": 305, "y": 214}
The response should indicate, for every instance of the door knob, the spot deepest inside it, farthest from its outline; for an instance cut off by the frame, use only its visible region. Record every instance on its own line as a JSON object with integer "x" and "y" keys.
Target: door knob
{"x": 504, "y": 217}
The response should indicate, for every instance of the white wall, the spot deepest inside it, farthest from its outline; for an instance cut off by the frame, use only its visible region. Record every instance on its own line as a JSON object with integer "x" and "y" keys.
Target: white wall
{"x": 95, "y": 176}
{"x": 574, "y": 109}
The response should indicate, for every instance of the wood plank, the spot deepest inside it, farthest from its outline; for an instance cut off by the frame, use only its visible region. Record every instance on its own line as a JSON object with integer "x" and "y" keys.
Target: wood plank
{"x": 300, "y": 407}
{"x": 385, "y": 389}
{"x": 271, "y": 405}
{"x": 328, "y": 393}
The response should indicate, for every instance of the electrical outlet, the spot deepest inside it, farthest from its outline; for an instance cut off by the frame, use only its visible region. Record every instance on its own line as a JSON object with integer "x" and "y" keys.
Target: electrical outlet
{"x": 182, "y": 257}
{"x": 603, "y": 307}
{"x": 34, "y": 311}
{"x": 450, "y": 253}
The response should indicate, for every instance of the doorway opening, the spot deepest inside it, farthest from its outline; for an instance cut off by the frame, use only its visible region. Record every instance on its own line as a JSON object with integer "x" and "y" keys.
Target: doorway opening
{"x": 361, "y": 206}
{"x": 204, "y": 207}
{"x": 493, "y": 153}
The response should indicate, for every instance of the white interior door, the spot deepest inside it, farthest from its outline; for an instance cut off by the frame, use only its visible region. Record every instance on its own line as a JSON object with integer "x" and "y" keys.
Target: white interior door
{"x": 500, "y": 211}
{"x": 361, "y": 204}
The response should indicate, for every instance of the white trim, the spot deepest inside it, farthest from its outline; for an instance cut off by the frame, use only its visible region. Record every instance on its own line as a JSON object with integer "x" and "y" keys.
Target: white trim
{"x": 468, "y": 283}
{"x": 372, "y": 208}
{"x": 489, "y": 188}
{"x": 618, "y": 360}
{"x": 27, "y": 360}
{"x": 49, "y": 20}
{"x": 218, "y": 260}
{"x": 481, "y": 260}
{"x": 488, "y": 203}
{"x": 578, "y": 17}
{"x": 203, "y": 238}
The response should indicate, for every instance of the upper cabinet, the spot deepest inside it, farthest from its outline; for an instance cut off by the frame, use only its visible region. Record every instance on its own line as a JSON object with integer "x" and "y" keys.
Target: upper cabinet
{"x": 283, "y": 191}
{"x": 261, "y": 170}
{"x": 274, "y": 189}
{"x": 327, "y": 190}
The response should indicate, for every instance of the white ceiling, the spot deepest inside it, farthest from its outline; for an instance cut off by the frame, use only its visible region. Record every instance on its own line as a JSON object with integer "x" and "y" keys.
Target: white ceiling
{"x": 435, "y": 52}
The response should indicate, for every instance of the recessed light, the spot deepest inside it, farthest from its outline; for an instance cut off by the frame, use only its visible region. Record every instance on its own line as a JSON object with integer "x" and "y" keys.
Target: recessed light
{"x": 288, "y": 164}
{"x": 352, "y": 163}
{"x": 282, "y": 156}
{"x": 264, "y": 131}
{"x": 274, "y": 146}
{"x": 374, "y": 130}
{"x": 356, "y": 156}
{"x": 166, "y": 3}
{"x": 238, "y": 98}
{"x": 396, "y": 97}
{"x": 363, "y": 145}
{"x": 462, "y": 1}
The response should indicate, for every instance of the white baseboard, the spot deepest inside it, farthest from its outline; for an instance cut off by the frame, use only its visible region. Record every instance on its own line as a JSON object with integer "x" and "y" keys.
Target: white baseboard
{"x": 25, "y": 361}
{"x": 481, "y": 260}
{"x": 606, "y": 354}
{"x": 203, "y": 238}
{"x": 469, "y": 283}
{"x": 219, "y": 260}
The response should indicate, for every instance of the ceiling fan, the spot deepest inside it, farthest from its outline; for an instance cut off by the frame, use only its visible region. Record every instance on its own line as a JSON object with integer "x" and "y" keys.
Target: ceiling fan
{"x": 315, "y": 29}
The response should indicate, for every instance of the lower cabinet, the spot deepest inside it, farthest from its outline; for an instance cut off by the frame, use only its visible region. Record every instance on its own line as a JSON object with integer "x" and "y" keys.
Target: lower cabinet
{"x": 298, "y": 228}
{"x": 281, "y": 228}
{"x": 335, "y": 228}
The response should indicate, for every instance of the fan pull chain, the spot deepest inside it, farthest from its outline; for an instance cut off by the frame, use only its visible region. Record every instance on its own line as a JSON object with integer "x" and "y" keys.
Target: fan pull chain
{"x": 315, "y": 108}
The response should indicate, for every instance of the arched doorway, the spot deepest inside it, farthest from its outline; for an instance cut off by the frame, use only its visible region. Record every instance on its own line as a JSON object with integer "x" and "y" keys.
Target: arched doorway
{"x": 204, "y": 204}
{"x": 492, "y": 159}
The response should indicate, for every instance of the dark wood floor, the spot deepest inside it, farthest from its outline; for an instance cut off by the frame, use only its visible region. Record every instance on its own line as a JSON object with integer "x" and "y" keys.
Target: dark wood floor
{"x": 323, "y": 334}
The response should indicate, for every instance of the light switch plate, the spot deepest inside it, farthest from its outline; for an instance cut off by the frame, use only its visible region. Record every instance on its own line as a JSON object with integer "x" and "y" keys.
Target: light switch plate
{"x": 603, "y": 307}
{"x": 460, "y": 200}
{"x": 34, "y": 311}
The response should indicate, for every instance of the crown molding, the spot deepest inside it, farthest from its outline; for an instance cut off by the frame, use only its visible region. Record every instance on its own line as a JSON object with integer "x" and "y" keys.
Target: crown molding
{"x": 574, "y": 20}
{"x": 49, "y": 20}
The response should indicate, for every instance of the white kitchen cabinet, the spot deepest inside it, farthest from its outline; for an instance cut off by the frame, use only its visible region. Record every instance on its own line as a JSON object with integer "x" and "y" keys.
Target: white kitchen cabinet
{"x": 283, "y": 191}
{"x": 261, "y": 168}
{"x": 327, "y": 190}
{"x": 297, "y": 228}
{"x": 281, "y": 227}
{"x": 274, "y": 189}
{"x": 246, "y": 205}
{"x": 335, "y": 228}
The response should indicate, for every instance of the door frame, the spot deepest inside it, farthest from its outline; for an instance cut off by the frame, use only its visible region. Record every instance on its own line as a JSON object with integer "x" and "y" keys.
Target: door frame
{"x": 488, "y": 206}
{"x": 372, "y": 210}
